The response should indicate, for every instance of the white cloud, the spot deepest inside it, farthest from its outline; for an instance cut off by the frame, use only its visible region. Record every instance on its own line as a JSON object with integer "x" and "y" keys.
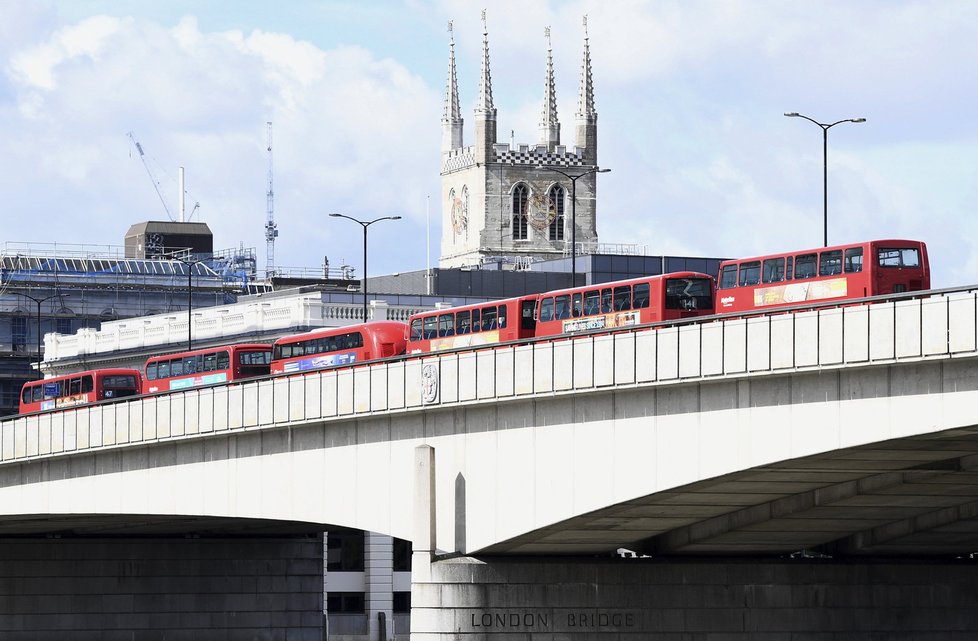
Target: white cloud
{"x": 689, "y": 96}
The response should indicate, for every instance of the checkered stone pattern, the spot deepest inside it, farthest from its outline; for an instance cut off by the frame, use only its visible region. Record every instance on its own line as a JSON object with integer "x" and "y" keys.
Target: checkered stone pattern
{"x": 525, "y": 156}
{"x": 458, "y": 161}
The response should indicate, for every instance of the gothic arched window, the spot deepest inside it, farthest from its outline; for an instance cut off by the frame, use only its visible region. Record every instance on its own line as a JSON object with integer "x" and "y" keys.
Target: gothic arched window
{"x": 555, "y": 204}
{"x": 521, "y": 201}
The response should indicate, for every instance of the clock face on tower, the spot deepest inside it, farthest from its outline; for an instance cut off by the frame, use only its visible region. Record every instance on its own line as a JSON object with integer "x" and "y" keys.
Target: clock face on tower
{"x": 154, "y": 243}
{"x": 460, "y": 211}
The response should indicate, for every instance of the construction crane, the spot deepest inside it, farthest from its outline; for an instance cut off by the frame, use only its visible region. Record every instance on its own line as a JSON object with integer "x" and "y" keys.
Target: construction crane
{"x": 271, "y": 229}
{"x": 149, "y": 172}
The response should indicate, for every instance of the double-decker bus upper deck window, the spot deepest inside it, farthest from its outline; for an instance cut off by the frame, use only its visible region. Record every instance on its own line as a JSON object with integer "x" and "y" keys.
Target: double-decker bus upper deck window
{"x": 689, "y": 293}
{"x": 830, "y": 263}
{"x": 151, "y": 371}
{"x": 854, "y": 260}
{"x": 546, "y": 309}
{"x": 119, "y": 381}
{"x": 577, "y": 305}
{"x": 488, "y": 318}
{"x": 562, "y": 307}
{"x": 728, "y": 277}
{"x": 476, "y": 321}
{"x": 607, "y": 301}
{"x": 210, "y": 360}
{"x": 446, "y": 325}
{"x": 463, "y": 322}
{"x": 502, "y": 317}
{"x": 223, "y": 360}
{"x": 87, "y": 383}
{"x": 773, "y": 271}
{"x": 430, "y": 327}
{"x": 592, "y": 302}
{"x": 416, "y": 329}
{"x": 38, "y": 393}
{"x": 899, "y": 258}
{"x": 623, "y": 298}
{"x": 789, "y": 267}
{"x": 805, "y": 266}
{"x": 189, "y": 365}
{"x": 750, "y": 273}
{"x": 640, "y": 296}
{"x": 254, "y": 358}
{"x": 528, "y": 308}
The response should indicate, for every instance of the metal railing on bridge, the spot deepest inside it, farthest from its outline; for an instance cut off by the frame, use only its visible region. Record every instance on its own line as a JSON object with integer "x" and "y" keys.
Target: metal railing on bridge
{"x": 936, "y": 325}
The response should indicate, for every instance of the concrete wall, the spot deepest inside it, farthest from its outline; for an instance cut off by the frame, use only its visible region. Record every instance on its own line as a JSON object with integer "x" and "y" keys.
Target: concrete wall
{"x": 573, "y": 599}
{"x": 174, "y": 589}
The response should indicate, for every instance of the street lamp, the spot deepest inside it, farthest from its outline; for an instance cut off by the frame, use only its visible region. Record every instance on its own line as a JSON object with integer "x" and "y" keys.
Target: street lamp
{"x": 365, "y": 224}
{"x": 573, "y": 178}
{"x": 825, "y": 166}
{"x": 39, "y": 301}
{"x": 190, "y": 316}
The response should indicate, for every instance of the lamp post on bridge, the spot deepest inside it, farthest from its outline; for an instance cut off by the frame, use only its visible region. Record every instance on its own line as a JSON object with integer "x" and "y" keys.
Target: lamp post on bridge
{"x": 825, "y": 166}
{"x": 190, "y": 264}
{"x": 38, "y": 301}
{"x": 365, "y": 224}
{"x": 573, "y": 178}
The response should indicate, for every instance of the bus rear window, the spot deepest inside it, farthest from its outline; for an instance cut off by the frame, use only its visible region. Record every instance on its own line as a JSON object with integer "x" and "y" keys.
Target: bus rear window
{"x": 689, "y": 293}
{"x": 899, "y": 258}
{"x": 119, "y": 381}
{"x": 256, "y": 358}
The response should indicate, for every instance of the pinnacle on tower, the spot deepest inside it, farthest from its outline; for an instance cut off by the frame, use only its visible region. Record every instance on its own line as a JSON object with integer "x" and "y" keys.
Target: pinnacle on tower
{"x": 585, "y": 103}
{"x": 485, "y": 108}
{"x": 549, "y": 126}
{"x": 485, "y": 112}
{"x": 587, "y": 117}
{"x": 451, "y": 120}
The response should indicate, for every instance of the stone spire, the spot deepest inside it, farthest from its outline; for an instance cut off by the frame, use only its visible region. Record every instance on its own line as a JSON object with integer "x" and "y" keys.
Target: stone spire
{"x": 451, "y": 119}
{"x": 587, "y": 117}
{"x": 485, "y": 112}
{"x": 549, "y": 126}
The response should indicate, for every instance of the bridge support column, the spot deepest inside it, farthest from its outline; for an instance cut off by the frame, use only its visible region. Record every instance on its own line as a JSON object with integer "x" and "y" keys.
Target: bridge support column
{"x": 582, "y": 599}
{"x": 423, "y": 543}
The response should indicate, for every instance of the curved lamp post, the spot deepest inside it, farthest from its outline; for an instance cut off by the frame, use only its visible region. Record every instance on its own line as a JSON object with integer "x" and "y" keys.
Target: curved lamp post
{"x": 365, "y": 224}
{"x": 573, "y": 178}
{"x": 190, "y": 264}
{"x": 825, "y": 166}
{"x": 39, "y": 301}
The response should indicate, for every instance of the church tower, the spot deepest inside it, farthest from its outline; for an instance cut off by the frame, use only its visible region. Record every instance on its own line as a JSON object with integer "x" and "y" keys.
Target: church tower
{"x": 513, "y": 202}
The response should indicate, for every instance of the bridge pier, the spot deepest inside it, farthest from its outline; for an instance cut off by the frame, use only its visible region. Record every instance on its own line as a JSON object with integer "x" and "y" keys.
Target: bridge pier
{"x": 89, "y": 589}
{"x": 584, "y": 599}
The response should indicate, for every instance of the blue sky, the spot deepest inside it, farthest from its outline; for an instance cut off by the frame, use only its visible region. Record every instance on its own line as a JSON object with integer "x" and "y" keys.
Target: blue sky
{"x": 690, "y": 97}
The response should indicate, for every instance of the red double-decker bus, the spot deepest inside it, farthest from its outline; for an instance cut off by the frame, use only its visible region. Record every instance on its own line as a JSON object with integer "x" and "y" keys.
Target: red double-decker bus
{"x": 214, "y": 366}
{"x": 624, "y": 303}
{"x": 472, "y": 325}
{"x": 80, "y": 388}
{"x": 856, "y": 270}
{"x": 336, "y": 346}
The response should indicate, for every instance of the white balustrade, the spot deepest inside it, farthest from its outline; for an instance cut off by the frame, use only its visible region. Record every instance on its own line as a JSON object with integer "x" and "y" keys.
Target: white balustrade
{"x": 939, "y": 326}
